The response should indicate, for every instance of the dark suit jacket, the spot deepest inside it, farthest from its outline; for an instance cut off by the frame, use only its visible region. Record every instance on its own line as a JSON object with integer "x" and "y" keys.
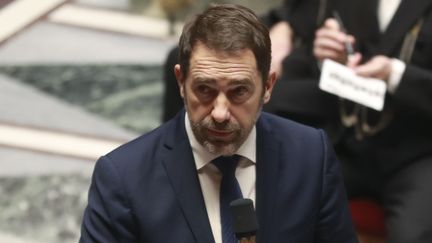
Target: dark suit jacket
{"x": 409, "y": 136}
{"x": 148, "y": 190}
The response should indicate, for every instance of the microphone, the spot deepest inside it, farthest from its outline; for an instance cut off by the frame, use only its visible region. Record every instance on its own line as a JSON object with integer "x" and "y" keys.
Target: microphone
{"x": 245, "y": 223}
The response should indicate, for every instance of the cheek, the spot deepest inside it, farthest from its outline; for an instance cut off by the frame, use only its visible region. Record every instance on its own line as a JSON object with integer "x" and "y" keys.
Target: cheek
{"x": 253, "y": 105}
{"x": 246, "y": 114}
{"x": 196, "y": 110}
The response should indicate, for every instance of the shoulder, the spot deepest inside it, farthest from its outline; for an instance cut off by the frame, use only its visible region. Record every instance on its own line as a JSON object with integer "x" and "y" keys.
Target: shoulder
{"x": 281, "y": 127}
{"x": 291, "y": 135}
{"x": 148, "y": 149}
{"x": 141, "y": 144}
{"x": 304, "y": 148}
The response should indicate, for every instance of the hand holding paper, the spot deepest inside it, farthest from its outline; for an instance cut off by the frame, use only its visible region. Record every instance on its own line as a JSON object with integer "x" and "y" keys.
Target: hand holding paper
{"x": 339, "y": 80}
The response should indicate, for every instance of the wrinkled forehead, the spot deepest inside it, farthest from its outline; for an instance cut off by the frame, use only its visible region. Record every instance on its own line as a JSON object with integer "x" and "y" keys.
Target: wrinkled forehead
{"x": 207, "y": 61}
{"x": 200, "y": 47}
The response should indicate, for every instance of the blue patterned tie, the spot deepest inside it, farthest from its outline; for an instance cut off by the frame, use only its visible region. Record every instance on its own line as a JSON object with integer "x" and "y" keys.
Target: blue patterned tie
{"x": 229, "y": 191}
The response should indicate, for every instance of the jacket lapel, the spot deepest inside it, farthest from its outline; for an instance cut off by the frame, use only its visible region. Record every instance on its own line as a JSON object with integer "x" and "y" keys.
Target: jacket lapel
{"x": 360, "y": 19}
{"x": 180, "y": 167}
{"x": 266, "y": 177}
{"x": 408, "y": 13}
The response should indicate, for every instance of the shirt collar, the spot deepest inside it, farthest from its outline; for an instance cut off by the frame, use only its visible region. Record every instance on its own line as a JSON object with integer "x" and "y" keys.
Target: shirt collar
{"x": 203, "y": 157}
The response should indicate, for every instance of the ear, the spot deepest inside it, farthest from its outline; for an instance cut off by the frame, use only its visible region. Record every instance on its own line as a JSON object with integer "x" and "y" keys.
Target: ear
{"x": 268, "y": 88}
{"x": 180, "y": 79}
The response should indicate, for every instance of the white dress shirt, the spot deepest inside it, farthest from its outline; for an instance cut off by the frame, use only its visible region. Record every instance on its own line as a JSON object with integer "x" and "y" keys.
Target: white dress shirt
{"x": 386, "y": 11}
{"x": 210, "y": 177}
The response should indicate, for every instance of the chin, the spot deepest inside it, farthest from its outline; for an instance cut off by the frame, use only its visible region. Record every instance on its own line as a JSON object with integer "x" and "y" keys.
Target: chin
{"x": 223, "y": 150}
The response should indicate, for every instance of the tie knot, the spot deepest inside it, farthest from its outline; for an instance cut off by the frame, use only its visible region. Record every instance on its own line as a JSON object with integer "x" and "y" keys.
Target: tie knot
{"x": 227, "y": 164}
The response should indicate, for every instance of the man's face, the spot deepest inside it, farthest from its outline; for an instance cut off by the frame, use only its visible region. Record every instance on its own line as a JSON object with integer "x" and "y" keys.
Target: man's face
{"x": 223, "y": 95}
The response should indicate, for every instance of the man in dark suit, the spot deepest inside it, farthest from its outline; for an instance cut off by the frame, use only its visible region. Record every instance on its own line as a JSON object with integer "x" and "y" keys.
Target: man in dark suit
{"x": 166, "y": 186}
{"x": 386, "y": 155}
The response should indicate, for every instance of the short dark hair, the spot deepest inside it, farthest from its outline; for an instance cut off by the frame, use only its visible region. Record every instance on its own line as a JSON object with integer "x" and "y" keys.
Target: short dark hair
{"x": 229, "y": 28}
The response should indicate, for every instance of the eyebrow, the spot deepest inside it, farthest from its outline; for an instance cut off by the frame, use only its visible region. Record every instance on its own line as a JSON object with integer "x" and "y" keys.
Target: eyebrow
{"x": 231, "y": 82}
{"x": 204, "y": 80}
{"x": 240, "y": 81}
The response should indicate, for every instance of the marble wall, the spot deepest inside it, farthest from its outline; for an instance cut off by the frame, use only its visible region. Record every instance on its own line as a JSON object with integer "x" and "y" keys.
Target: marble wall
{"x": 129, "y": 95}
{"x": 44, "y": 208}
{"x": 46, "y": 205}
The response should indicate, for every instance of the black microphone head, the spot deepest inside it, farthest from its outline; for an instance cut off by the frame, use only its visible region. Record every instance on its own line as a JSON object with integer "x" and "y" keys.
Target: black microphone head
{"x": 245, "y": 223}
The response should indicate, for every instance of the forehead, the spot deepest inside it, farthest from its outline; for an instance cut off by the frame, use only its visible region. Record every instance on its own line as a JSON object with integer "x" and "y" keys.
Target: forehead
{"x": 209, "y": 62}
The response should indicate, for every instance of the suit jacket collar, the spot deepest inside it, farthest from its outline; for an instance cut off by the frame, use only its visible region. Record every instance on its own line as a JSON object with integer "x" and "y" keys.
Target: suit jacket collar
{"x": 361, "y": 19}
{"x": 181, "y": 170}
{"x": 180, "y": 167}
{"x": 266, "y": 176}
{"x": 408, "y": 13}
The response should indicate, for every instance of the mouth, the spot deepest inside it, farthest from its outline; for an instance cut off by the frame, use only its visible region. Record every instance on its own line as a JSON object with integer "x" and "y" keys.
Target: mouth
{"x": 220, "y": 134}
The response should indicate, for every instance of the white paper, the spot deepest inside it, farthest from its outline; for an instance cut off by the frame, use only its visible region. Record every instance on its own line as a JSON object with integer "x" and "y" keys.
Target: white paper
{"x": 339, "y": 80}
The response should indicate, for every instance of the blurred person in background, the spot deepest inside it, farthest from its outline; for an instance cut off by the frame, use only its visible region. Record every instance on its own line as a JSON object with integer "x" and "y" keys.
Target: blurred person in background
{"x": 386, "y": 155}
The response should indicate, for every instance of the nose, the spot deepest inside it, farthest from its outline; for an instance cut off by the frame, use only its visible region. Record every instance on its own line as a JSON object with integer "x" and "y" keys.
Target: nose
{"x": 220, "y": 112}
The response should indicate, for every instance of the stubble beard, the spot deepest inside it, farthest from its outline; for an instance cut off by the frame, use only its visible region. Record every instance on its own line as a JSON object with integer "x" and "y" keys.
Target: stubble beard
{"x": 215, "y": 146}
{"x": 218, "y": 147}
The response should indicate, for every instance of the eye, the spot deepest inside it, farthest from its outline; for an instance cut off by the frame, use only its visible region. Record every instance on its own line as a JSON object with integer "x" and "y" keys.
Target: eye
{"x": 240, "y": 94}
{"x": 204, "y": 92}
{"x": 240, "y": 91}
{"x": 203, "y": 89}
